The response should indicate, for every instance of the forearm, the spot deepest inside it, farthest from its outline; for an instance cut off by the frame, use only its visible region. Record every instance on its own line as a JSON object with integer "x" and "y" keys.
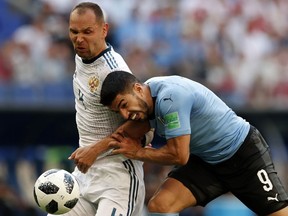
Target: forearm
{"x": 101, "y": 146}
{"x": 175, "y": 152}
{"x": 162, "y": 156}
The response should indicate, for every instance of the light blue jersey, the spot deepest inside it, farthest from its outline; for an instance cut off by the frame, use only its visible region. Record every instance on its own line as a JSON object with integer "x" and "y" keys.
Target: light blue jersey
{"x": 183, "y": 107}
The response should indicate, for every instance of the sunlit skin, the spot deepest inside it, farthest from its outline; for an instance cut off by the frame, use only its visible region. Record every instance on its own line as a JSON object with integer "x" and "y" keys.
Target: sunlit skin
{"x": 135, "y": 105}
{"x": 87, "y": 34}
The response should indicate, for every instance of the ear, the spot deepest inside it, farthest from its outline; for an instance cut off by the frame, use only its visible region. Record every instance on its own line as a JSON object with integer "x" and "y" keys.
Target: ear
{"x": 105, "y": 29}
{"x": 138, "y": 88}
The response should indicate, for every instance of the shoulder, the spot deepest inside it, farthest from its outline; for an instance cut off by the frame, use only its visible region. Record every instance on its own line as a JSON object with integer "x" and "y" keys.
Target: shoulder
{"x": 114, "y": 60}
{"x": 166, "y": 84}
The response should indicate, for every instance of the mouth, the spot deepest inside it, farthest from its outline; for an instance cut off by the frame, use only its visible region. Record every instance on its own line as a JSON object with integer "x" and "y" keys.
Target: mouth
{"x": 133, "y": 116}
{"x": 79, "y": 49}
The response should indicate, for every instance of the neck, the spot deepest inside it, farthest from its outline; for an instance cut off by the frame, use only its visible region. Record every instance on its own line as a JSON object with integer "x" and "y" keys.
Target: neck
{"x": 90, "y": 60}
{"x": 149, "y": 99}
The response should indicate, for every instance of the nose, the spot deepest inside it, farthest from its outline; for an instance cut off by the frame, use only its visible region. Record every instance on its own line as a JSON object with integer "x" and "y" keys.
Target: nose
{"x": 78, "y": 39}
{"x": 124, "y": 113}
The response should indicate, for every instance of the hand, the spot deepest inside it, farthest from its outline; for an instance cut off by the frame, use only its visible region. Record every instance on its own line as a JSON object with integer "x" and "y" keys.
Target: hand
{"x": 125, "y": 145}
{"x": 83, "y": 157}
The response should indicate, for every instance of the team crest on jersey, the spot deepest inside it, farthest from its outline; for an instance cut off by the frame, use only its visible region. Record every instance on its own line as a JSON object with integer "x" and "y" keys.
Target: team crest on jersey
{"x": 93, "y": 83}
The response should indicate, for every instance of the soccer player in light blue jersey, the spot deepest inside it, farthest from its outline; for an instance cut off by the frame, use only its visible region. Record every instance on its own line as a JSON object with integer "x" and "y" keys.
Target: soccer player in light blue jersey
{"x": 215, "y": 150}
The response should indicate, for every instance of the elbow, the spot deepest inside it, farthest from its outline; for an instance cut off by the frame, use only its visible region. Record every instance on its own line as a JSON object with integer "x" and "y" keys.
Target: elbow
{"x": 182, "y": 160}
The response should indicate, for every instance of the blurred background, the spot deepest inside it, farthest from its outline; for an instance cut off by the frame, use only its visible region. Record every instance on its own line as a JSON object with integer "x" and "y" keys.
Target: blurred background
{"x": 237, "y": 48}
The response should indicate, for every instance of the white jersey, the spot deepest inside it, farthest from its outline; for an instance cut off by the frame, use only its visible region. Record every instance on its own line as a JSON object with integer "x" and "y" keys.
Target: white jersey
{"x": 95, "y": 121}
{"x": 114, "y": 183}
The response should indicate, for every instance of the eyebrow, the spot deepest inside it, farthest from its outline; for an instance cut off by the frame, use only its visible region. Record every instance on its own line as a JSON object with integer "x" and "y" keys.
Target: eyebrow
{"x": 82, "y": 30}
{"x": 119, "y": 104}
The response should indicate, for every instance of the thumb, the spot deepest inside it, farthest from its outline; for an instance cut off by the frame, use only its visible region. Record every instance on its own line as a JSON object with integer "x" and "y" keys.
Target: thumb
{"x": 115, "y": 152}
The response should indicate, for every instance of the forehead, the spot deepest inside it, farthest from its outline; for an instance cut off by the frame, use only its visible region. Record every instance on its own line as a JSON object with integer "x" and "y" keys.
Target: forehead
{"x": 82, "y": 17}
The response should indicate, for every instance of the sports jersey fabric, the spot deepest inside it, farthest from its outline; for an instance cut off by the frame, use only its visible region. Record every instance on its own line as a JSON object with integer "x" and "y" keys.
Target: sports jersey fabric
{"x": 183, "y": 106}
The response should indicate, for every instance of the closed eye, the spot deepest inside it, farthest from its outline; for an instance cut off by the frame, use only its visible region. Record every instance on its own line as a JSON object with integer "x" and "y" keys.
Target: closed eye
{"x": 85, "y": 31}
{"x": 88, "y": 31}
{"x": 123, "y": 105}
{"x": 73, "y": 31}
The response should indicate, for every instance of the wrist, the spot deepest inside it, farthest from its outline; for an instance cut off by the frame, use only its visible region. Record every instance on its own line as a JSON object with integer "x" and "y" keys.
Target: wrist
{"x": 101, "y": 146}
{"x": 139, "y": 155}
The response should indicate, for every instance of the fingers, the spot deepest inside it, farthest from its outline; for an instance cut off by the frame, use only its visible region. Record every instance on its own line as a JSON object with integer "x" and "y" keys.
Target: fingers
{"x": 82, "y": 166}
{"x": 116, "y": 151}
{"x": 120, "y": 130}
{"x": 117, "y": 136}
{"x": 72, "y": 156}
{"x": 114, "y": 144}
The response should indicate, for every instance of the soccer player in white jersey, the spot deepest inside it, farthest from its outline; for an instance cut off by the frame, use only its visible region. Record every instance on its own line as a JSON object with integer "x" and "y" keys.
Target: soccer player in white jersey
{"x": 216, "y": 151}
{"x": 109, "y": 185}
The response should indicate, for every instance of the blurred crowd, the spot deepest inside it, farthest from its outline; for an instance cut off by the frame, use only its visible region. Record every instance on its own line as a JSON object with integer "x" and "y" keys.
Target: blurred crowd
{"x": 238, "y": 48}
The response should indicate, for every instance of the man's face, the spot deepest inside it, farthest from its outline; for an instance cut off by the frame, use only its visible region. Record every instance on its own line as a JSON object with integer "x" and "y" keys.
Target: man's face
{"x": 87, "y": 34}
{"x": 130, "y": 106}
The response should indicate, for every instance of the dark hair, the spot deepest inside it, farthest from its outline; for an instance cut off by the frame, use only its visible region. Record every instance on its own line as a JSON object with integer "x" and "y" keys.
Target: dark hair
{"x": 83, "y": 6}
{"x": 117, "y": 82}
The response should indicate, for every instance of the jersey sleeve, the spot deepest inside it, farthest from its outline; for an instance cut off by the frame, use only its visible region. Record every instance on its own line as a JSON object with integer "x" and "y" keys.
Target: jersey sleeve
{"x": 175, "y": 106}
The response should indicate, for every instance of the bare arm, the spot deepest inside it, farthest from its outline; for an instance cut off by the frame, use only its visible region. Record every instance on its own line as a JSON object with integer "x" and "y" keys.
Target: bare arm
{"x": 84, "y": 157}
{"x": 175, "y": 152}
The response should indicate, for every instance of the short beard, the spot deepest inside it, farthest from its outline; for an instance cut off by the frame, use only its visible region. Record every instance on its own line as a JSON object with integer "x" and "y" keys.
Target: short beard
{"x": 143, "y": 105}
